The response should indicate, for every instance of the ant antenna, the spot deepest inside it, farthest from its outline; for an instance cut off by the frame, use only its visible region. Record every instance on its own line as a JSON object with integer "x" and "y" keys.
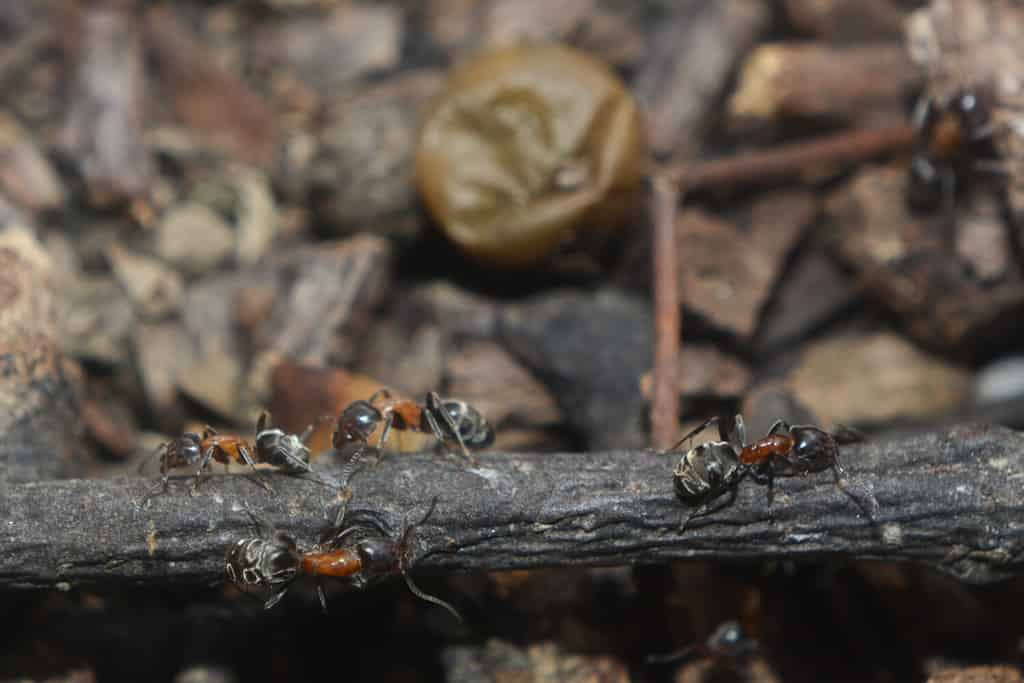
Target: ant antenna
{"x": 415, "y": 590}
{"x": 404, "y": 567}
{"x": 672, "y": 656}
{"x": 146, "y": 460}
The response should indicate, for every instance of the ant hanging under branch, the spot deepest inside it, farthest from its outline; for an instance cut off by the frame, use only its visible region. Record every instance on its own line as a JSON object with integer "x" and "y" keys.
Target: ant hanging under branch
{"x": 362, "y": 554}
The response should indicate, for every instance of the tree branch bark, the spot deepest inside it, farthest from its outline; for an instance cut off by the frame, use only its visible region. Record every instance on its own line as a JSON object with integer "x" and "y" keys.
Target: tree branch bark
{"x": 950, "y": 499}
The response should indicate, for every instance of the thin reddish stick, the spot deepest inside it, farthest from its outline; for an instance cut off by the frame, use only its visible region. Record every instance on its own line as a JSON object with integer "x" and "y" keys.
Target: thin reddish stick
{"x": 665, "y": 390}
{"x": 781, "y": 162}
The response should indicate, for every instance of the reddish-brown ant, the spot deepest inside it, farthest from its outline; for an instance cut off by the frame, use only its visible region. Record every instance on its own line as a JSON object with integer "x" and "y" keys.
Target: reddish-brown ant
{"x": 727, "y": 643}
{"x": 451, "y": 421}
{"x": 362, "y": 553}
{"x": 790, "y": 450}
{"x": 191, "y": 448}
{"x": 287, "y": 452}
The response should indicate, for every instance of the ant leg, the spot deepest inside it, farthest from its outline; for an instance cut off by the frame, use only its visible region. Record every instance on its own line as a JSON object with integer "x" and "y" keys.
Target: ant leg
{"x": 321, "y": 594}
{"x": 379, "y": 394}
{"x": 708, "y": 509}
{"x": 868, "y": 505}
{"x": 304, "y": 437}
{"x": 404, "y": 566}
{"x": 346, "y": 496}
{"x": 162, "y": 448}
{"x": 419, "y": 593}
{"x": 843, "y": 434}
{"x": 779, "y": 427}
{"x": 207, "y": 456}
{"x": 671, "y": 657}
{"x": 453, "y": 428}
{"x": 386, "y": 431}
{"x": 737, "y": 435}
{"x": 261, "y": 423}
{"x": 161, "y": 487}
{"x": 275, "y": 598}
{"x": 694, "y": 432}
{"x": 244, "y": 452}
{"x": 696, "y": 512}
{"x": 948, "y": 179}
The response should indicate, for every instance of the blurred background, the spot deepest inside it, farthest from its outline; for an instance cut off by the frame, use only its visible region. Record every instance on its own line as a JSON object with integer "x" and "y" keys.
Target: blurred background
{"x": 208, "y": 208}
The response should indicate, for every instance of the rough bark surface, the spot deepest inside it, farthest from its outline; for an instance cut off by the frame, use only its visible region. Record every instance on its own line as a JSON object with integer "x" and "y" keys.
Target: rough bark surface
{"x": 951, "y": 500}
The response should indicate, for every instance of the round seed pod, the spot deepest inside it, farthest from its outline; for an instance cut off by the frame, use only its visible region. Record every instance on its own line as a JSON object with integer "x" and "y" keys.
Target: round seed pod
{"x": 528, "y": 148}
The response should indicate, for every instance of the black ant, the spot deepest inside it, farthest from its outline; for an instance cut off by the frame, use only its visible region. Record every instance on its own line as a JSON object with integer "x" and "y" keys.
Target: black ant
{"x": 450, "y": 420}
{"x": 727, "y": 643}
{"x": 363, "y": 553}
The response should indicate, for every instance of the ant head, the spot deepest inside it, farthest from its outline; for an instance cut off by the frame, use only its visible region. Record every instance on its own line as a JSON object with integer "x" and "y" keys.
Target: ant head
{"x": 813, "y": 448}
{"x": 377, "y": 555}
{"x": 356, "y": 423}
{"x": 924, "y": 183}
{"x": 186, "y": 449}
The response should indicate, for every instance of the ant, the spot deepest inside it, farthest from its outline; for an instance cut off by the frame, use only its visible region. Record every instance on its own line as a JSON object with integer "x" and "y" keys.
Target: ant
{"x": 728, "y": 643}
{"x": 709, "y": 470}
{"x": 190, "y": 448}
{"x": 954, "y": 135}
{"x": 362, "y": 553}
{"x": 450, "y": 420}
{"x": 287, "y": 452}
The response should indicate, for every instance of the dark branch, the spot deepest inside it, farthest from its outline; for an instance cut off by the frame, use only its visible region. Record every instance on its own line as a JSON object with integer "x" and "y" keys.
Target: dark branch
{"x": 952, "y": 500}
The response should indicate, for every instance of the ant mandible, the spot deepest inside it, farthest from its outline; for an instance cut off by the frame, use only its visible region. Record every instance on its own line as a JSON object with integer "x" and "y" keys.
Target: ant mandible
{"x": 363, "y": 553}
{"x": 451, "y": 421}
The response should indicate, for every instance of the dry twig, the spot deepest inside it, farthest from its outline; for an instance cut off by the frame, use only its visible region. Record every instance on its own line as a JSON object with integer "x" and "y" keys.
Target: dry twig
{"x": 847, "y": 147}
{"x": 951, "y": 500}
